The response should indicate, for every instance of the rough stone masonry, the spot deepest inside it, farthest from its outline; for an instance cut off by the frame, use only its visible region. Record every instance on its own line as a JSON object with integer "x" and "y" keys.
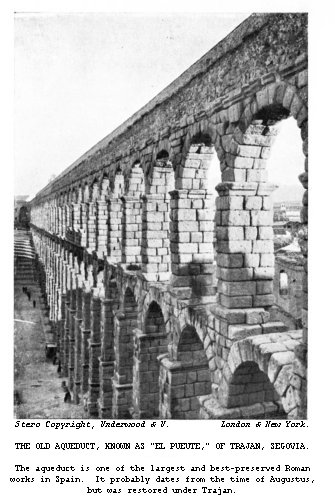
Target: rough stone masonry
{"x": 150, "y": 318}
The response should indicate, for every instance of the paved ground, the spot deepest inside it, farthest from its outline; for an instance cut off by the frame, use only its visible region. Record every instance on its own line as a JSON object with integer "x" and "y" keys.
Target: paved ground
{"x": 36, "y": 382}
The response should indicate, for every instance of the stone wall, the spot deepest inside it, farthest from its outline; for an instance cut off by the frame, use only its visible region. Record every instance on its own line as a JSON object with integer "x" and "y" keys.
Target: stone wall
{"x": 288, "y": 290}
{"x": 145, "y": 324}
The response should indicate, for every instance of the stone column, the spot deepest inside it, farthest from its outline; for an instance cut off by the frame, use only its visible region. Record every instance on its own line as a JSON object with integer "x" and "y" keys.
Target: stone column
{"x": 68, "y": 316}
{"x": 94, "y": 353}
{"x": 124, "y": 324}
{"x": 63, "y": 336}
{"x": 245, "y": 271}
{"x": 106, "y": 369}
{"x": 52, "y": 287}
{"x": 155, "y": 238}
{"x": 91, "y": 226}
{"x": 184, "y": 381}
{"x": 131, "y": 230}
{"x": 67, "y": 219}
{"x": 147, "y": 348}
{"x": 101, "y": 227}
{"x": 74, "y": 232}
{"x": 85, "y": 335}
{"x": 77, "y": 337}
{"x": 155, "y": 224}
{"x": 63, "y": 221}
{"x": 53, "y": 218}
{"x": 83, "y": 224}
{"x": 59, "y": 220}
{"x": 72, "y": 336}
{"x": 191, "y": 242}
{"x": 76, "y": 216}
{"x": 178, "y": 394}
{"x": 58, "y": 308}
{"x": 245, "y": 256}
{"x": 114, "y": 229}
{"x": 63, "y": 314}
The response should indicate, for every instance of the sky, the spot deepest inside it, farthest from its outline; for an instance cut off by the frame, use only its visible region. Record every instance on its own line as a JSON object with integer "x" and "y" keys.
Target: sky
{"x": 78, "y": 76}
{"x": 285, "y": 164}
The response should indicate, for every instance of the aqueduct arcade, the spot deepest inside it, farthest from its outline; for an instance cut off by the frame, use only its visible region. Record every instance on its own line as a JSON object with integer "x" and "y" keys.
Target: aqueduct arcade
{"x": 160, "y": 304}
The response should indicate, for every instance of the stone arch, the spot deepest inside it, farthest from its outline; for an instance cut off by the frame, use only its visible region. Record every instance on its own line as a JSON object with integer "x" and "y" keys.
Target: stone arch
{"x": 131, "y": 221}
{"x": 99, "y": 276}
{"x": 94, "y": 190}
{"x": 162, "y": 145}
{"x": 155, "y": 243}
{"x": 200, "y": 144}
{"x": 134, "y": 182}
{"x": 283, "y": 283}
{"x": 154, "y": 320}
{"x": 248, "y": 147}
{"x": 186, "y": 379}
{"x": 70, "y": 195}
{"x": 163, "y": 156}
{"x": 190, "y": 347}
{"x": 89, "y": 273}
{"x": 129, "y": 303}
{"x": 161, "y": 153}
{"x": 195, "y": 319}
{"x": 192, "y": 218}
{"x": 158, "y": 177}
{"x": 78, "y": 194}
{"x": 86, "y": 192}
{"x": 117, "y": 185}
{"x": 244, "y": 206}
{"x": 125, "y": 323}
{"x": 104, "y": 186}
{"x": 274, "y": 356}
{"x": 113, "y": 293}
{"x": 66, "y": 214}
{"x": 130, "y": 283}
{"x": 24, "y": 216}
{"x": 148, "y": 346}
{"x": 250, "y": 386}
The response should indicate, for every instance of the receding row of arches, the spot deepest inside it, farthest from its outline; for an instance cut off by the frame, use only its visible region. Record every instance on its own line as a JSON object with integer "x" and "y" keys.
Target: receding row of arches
{"x": 160, "y": 364}
{"x": 191, "y": 167}
{"x": 162, "y": 388}
{"x": 238, "y": 156}
{"x": 167, "y": 220}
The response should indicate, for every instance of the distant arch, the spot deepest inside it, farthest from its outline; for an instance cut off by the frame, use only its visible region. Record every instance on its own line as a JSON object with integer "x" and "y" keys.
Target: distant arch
{"x": 196, "y": 379}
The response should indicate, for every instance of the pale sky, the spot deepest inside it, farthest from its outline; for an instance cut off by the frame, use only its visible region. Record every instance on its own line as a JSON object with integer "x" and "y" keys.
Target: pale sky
{"x": 79, "y": 76}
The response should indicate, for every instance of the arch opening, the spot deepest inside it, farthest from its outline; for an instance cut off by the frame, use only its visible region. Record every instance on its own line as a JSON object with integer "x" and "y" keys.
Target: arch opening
{"x": 193, "y": 247}
{"x": 124, "y": 325}
{"x": 283, "y": 283}
{"x": 148, "y": 346}
{"x": 249, "y": 386}
{"x": 154, "y": 320}
{"x": 192, "y": 379}
{"x": 285, "y": 165}
{"x": 258, "y": 155}
{"x": 23, "y": 217}
{"x": 162, "y": 158}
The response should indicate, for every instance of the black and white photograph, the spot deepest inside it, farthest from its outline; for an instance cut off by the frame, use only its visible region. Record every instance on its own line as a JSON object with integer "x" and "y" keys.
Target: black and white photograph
{"x": 162, "y": 274}
{"x": 166, "y": 262}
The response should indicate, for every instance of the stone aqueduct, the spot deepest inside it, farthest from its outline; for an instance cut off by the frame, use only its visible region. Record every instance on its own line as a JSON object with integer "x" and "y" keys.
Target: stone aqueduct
{"x": 147, "y": 325}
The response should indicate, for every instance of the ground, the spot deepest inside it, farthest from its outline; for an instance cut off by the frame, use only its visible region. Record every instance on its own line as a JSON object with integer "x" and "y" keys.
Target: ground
{"x": 37, "y": 385}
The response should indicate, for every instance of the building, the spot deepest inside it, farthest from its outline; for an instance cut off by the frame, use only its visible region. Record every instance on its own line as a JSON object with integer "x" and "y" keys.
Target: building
{"x": 21, "y": 212}
{"x": 288, "y": 284}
